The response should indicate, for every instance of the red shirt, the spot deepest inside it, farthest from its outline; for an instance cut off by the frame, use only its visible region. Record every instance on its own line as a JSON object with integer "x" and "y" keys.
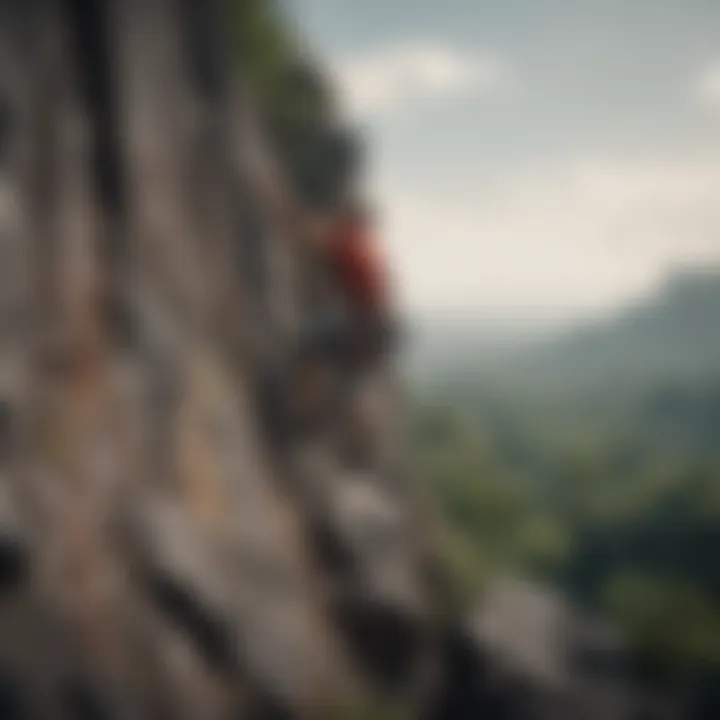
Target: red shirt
{"x": 357, "y": 267}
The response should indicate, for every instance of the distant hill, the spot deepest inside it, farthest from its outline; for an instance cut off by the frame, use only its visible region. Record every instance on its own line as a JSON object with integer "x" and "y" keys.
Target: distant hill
{"x": 671, "y": 336}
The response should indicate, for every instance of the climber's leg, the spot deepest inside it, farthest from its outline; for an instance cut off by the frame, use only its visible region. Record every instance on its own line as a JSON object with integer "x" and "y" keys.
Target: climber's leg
{"x": 296, "y": 395}
{"x": 363, "y": 401}
{"x": 335, "y": 355}
{"x": 315, "y": 375}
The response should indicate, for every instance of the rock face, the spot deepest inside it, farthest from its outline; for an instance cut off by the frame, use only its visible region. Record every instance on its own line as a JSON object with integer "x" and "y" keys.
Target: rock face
{"x": 527, "y": 654}
{"x": 161, "y": 554}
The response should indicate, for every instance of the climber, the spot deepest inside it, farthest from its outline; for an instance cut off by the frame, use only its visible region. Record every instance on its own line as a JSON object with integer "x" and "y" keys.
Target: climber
{"x": 351, "y": 329}
{"x": 339, "y": 348}
{"x": 358, "y": 274}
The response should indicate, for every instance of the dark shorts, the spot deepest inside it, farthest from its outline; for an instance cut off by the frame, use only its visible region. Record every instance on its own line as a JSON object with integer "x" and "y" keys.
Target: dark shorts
{"x": 348, "y": 341}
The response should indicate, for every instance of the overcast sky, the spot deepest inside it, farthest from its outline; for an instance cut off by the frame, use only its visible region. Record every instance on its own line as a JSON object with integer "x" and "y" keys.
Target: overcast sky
{"x": 555, "y": 155}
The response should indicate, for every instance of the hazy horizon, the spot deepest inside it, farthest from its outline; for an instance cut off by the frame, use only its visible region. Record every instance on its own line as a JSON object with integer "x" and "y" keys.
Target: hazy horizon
{"x": 525, "y": 320}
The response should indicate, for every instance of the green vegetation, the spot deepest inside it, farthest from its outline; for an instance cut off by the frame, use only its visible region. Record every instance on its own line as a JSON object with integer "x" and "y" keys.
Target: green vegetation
{"x": 600, "y": 478}
{"x": 627, "y": 528}
{"x": 319, "y": 152}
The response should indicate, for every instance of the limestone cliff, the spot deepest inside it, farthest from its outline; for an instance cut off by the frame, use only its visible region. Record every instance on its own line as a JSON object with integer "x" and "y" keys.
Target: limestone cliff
{"x": 161, "y": 555}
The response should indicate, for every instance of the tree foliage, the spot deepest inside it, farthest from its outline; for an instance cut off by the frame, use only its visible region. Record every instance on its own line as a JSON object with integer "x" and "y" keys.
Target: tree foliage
{"x": 320, "y": 153}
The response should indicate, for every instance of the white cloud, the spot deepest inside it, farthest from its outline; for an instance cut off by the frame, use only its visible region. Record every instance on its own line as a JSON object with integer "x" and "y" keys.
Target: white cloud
{"x": 579, "y": 237}
{"x": 707, "y": 86}
{"x": 404, "y": 74}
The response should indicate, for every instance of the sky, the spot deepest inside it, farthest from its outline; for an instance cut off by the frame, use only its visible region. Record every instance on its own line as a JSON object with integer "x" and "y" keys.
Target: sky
{"x": 532, "y": 159}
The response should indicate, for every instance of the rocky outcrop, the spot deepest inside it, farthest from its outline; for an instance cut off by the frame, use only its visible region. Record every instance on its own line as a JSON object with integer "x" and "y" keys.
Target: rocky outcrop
{"x": 162, "y": 555}
{"x": 528, "y": 654}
